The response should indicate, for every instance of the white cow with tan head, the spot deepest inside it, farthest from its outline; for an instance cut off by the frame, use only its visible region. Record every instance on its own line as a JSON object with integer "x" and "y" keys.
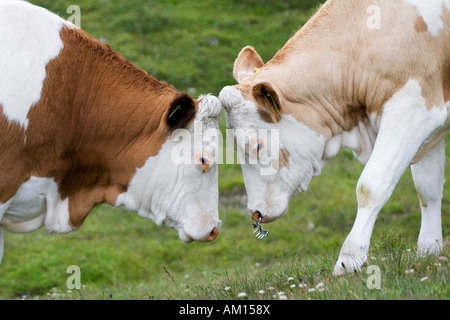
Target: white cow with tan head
{"x": 372, "y": 76}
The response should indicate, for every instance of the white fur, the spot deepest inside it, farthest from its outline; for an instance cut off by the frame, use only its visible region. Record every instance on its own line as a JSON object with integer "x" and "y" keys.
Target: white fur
{"x": 175, "y": 193}
{"x": 37, "y": 203}
{"x": 244, "y": 75}
{"x": 428, "y": 176}
{"x": 404, "y": 125}
{"x": 29, "y": 39}
{"x": 431, "y": 12}
{"x": 360, "y": 139}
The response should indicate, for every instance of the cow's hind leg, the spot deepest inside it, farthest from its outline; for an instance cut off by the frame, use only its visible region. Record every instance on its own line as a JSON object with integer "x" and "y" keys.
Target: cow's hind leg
{"x": 428, "y": 176}
{"x": 405, "y": 124}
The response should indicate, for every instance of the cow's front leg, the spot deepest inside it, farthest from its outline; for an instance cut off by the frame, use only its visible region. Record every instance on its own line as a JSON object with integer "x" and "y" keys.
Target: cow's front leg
{"x": 372, "y": 193}
{"x": 428, "y": 175}
{"x": 404, "y": 125}
{"x": 57, "y": 214}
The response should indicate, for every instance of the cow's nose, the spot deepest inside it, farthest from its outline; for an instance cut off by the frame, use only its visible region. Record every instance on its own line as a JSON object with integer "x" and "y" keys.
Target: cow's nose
{"x": 258, "y": 217}
{"x": 214, "y": 233}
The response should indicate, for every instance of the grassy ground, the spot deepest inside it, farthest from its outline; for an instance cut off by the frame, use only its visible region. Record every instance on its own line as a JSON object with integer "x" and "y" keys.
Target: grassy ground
{"x": 192, "y": 44}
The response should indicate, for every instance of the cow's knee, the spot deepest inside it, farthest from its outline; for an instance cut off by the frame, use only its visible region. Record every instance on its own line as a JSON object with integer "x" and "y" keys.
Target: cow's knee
{"x": 372, "y": 192}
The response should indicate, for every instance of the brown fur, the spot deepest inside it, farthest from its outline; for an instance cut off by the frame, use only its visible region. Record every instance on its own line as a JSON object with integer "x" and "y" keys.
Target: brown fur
{"x": 446, "y": 84}
{"x": 12, "y": 162}
{"x": 420, "y": 25}
{"x": 267, "y": 101}
{"x": 283, "y": 160}
{"x": 98, "y": 120}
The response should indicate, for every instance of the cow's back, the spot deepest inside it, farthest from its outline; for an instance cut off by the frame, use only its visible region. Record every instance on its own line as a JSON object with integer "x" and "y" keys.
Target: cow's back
{"x": 409, "y": 39}
{"x": 374, "y": 45}
{"x": 29, "y": 39}
{"x": 412, "y": 41}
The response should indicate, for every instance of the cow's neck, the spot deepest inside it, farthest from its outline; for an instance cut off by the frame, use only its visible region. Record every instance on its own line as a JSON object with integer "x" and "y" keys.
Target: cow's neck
{"x": 323, "y": 81}
{"x": 102, "y": 117}
{"x": 316, "y": 95}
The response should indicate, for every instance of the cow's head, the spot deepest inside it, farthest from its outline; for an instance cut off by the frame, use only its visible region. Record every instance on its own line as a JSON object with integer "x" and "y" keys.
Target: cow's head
{"x": 282, "y": 154}
{"x": 179, "y": 186}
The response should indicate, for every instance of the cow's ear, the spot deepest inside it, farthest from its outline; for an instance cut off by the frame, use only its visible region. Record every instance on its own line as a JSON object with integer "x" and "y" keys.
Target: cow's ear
{"x": 268, "y": 102}
{"x": 247, "y": 64}
{"x": 181, "y": 113}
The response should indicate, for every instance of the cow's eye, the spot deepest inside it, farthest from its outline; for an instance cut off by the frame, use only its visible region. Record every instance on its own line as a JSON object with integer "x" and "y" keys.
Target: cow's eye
{"x": 203, "y": 161}
{"x": 257, "y": 146}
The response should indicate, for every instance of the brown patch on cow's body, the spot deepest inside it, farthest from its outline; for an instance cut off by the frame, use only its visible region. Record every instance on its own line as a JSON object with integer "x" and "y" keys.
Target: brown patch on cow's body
{"x": 422, "y": 202}
{"x": 420, "y": 25}
{"x": 284, "y": 156}
{"x": 282, "y": 161}
{"x": 446, "y": 85}
{"x": 98, "y": 120}
{"x": 13, "y": 163}
{"x": 267, "y": 100}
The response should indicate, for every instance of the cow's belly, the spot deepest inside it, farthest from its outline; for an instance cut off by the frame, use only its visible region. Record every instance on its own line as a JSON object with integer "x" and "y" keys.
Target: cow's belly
{"x": 28, "y": 207}
{"x": 37, "y": 203}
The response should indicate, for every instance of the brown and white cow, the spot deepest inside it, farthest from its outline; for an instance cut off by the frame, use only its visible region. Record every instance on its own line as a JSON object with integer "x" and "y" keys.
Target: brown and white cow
{"x": 81, "y": 126}
{"x": 369, "y": 75}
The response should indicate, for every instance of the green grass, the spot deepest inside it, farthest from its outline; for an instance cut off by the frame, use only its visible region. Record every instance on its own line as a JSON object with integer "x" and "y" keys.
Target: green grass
{"x": 192, "y": 44}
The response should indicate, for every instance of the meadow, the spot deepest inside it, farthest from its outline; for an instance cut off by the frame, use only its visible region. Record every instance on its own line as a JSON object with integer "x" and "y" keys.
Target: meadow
{"x": 192, "y": 45}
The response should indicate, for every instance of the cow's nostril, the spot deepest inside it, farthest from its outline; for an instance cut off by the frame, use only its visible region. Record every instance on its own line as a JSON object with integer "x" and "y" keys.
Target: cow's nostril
{"x": 256, "y": 215}
{"x": 214, "y": 233}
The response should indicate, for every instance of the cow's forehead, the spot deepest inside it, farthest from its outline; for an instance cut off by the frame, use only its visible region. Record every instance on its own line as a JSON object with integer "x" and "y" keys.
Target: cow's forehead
{"x": 208, "y": 114}
{"x": 241, "y": 110}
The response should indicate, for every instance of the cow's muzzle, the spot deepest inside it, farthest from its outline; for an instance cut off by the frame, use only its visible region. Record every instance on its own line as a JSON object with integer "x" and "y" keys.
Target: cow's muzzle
{"x": 207, "y": 237}
{"x": 258, "y": 217}
{"x": 213, "y": 235}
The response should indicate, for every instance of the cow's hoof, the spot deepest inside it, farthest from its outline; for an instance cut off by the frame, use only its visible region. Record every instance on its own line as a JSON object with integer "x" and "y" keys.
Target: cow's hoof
{"x": 348, "y": 264}
{"x": 429, "y": 248}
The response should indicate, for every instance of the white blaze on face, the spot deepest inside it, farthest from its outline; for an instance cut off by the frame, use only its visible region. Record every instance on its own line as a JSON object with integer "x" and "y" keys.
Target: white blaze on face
{"x": 181, "y": 190}
{"x": 24, "y": 54}
{"x": 294, "y": 161}
{"x": 431, "y": 12}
